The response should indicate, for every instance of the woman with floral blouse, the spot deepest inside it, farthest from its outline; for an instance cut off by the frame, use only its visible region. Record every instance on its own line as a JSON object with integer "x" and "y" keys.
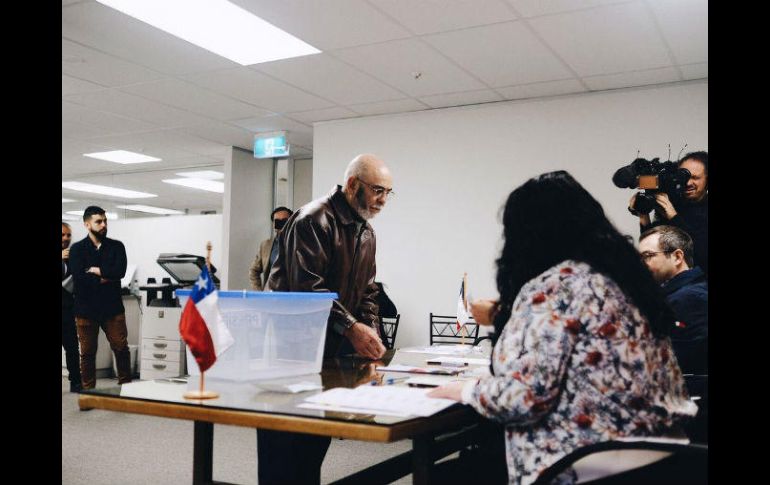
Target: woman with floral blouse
{"x": 582, "y": 354}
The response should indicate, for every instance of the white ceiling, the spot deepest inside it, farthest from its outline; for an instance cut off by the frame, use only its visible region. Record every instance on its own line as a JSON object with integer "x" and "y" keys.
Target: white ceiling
{"x": 129, "y": 86}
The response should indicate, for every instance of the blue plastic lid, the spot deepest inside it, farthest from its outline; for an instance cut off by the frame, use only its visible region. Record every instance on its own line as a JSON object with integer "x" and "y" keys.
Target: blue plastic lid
{"x": 283, "y": 295}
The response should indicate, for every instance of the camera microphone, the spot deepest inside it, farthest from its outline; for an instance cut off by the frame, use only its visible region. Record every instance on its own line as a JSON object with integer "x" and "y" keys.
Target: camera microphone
{"x": 624, "y": 178}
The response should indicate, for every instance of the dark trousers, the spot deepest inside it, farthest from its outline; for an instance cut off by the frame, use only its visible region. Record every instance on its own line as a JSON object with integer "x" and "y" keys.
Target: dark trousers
{"x": 290, "y": 458}
{"x": 69, "y": 340}
{"x": 117, "y": 335}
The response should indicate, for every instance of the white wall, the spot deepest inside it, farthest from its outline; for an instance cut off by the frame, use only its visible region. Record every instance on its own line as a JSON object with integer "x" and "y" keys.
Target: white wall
{"x": 454, "y": 168}
{"x": 146, "y": 237}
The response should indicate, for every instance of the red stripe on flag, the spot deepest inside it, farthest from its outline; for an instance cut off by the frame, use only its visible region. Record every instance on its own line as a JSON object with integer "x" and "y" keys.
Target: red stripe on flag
{"x": 196, "y": 335}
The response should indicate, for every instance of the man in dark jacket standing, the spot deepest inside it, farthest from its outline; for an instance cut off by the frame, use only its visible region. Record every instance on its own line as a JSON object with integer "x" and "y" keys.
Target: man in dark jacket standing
{"x": 668, "y": 253}
{"x": 69, "y": 336}
{"x": 98, "y": 263}
{"x": 328, "y": 246}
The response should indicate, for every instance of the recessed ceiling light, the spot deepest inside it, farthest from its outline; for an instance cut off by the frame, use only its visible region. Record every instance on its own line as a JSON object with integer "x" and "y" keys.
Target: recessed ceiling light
{"x": 63, "y": 200}
{"x": 122, "y": 156}
{"x": 149, "y": 209}
{"x": 203, "y": 174}
{"x": 218, "y": 26}
{"x": 202, "y": 184}
{"x": 69, "y": 217}
{"x": 110, "y": 215}
{"x": 106, "y": 190}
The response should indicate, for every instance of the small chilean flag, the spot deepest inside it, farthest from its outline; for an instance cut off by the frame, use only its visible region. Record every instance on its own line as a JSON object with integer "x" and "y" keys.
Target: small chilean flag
{"x": 201, "y": 326}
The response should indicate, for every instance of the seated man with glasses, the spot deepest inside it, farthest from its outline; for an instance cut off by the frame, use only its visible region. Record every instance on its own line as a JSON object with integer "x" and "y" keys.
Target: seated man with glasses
{"x": 668, "y": 253}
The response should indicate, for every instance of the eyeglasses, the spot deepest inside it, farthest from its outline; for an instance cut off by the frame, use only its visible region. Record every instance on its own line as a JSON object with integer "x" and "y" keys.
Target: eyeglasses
{"x": 378, "y": 190}
{"x": 648, "y": 255}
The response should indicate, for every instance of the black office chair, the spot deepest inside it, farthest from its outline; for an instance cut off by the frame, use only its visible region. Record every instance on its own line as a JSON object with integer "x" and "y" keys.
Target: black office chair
{"x": 621, "y": 463}
{"x": 698, "y": 387}
{"x": 388, "y": 329}
{"x": 443, "y": 330}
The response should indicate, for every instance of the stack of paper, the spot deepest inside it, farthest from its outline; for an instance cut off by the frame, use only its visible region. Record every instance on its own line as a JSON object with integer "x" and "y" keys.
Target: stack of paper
{"x": 383, "y": 400}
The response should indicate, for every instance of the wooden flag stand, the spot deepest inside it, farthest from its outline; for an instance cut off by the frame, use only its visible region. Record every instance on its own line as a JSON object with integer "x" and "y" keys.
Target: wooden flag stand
{"x": 202, "y": 393}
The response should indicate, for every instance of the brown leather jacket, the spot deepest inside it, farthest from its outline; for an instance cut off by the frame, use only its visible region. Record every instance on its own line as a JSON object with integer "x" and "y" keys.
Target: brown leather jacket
{"x": 325, "y": 246}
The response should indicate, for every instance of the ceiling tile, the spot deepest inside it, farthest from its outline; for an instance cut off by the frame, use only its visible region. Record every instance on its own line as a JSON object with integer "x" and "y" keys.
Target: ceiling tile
{"x": 384, "y": 107}
{"x": 605, "y": 40}
{"x": 684, "y": 24}
{"x": 534, "y": 8}
{"x": 430, "y": 16}
{"x": 329, "y": 78}
{"x": 551, "y": 88}
{"x": 194, "y": 98}
{"x": 461, "y": 99}
{"x": 695, "y": 71}
{"x": 136, "y": 107}
{"x": 264, "y": 124}
{"x": 107, "y": 123}
{"x": 71, "y": 85}
{"x": 396, "y": 63}
{"x": 517, "y": 58}
{"x": 166, "y": 144}
{"x": 330, "y": 24}
{"x": 259, "y": 89}
{"x": 90, "y": 65}
{"x": 336, "y": 113}
{"x": 221, "y": 133}
{"x": 113, "y": 32}
{"x": 628, "y": 79}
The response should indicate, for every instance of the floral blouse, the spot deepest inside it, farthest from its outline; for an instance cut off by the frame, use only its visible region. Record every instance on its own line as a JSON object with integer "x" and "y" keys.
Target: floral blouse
{"x": 577, "y": 364}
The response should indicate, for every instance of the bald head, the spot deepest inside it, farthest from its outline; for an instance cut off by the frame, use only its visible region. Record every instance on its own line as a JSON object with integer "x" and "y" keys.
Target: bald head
{"x": 367, "y": 184}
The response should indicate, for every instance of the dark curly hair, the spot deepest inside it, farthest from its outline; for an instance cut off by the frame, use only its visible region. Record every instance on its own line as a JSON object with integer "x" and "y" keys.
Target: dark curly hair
{"x": 552, "y": 218}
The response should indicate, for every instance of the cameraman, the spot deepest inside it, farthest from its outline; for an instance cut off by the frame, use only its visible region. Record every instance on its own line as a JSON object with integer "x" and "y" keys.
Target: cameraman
{"x": 691, "y": 213}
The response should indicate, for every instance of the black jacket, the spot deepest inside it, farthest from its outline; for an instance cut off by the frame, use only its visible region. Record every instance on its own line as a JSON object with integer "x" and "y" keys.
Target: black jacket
{"x": 688, "y": 295}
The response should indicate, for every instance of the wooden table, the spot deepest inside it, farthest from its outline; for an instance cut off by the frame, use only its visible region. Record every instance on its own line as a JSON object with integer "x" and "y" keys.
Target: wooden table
{"x": 243, "y": 404}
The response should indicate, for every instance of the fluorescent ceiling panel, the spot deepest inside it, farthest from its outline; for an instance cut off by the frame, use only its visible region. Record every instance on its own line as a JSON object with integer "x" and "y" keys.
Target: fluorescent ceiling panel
{"x": 110, "y": 215}
{"x": 217, "y": 26}
{"x": 203, "y": 174}
{"x": 69, "y": 217}
{"x": 149, "y": 209}
{"x": 106, "y": 190}
{"x": 122, "y": 156}
{"x": 201, "y": 184}
{"x": 63, "y": 200}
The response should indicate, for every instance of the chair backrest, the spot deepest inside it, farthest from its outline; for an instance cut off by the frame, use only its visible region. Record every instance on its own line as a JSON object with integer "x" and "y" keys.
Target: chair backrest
{"x": 632, "y": 462}
{"x": 388, "y": 329}
{"x": 443, "y": 330}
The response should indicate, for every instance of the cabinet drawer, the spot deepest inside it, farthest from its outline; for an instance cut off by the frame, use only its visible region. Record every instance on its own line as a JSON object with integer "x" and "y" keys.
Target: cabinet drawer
{"x": 161, "y": 322}
{"x": 170, "y": 368}
{"x": 148, "y": 375}
{"x": 152, "y": 345}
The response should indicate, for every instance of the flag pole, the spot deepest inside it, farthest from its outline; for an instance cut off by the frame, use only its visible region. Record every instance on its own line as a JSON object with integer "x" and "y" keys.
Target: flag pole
{"x": 202, "y": 393}
{"x": 463, "y": 332}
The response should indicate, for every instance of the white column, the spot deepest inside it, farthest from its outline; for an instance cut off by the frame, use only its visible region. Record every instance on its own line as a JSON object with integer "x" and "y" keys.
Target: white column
{"x": 247, "y": 203}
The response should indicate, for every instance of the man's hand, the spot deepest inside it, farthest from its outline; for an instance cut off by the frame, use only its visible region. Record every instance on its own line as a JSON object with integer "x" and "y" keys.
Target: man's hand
{"x": 365, "y": 340}
{"x": 65, "y": 254}
{"x": 484, "y": 311}
{"x": 94, "y": 270}
{"x": 644, "y": 219}
{"x": 665, "y": 204}
{"x": 453, "y": 391}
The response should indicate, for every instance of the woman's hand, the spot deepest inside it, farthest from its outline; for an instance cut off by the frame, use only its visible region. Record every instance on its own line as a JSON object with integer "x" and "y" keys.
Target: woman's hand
{"x": 484, "y": 311}
{"x": 453, "y": 391}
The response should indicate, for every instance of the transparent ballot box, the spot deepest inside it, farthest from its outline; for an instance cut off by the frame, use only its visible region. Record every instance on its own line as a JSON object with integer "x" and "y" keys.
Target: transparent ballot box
{"x": 277, "y": 334}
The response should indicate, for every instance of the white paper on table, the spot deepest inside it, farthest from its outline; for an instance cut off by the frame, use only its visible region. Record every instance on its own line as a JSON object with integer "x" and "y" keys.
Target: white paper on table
{"x": 293, "y": 388}
{"x": 443, "y": 349}
{"x": 435, "y": 370}
{"x": 390, "y": 400}
{"x": 457, "y": 360}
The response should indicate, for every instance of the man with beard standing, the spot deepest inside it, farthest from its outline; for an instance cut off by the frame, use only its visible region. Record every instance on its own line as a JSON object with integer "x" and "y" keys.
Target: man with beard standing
{"x": 328, "y": 246}
{"x": 98, "y": 263}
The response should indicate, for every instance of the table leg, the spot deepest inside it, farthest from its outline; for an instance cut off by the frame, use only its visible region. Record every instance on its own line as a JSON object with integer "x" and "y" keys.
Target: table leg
{"x": 203, "y": 453}
{"x": 422, "y": 459}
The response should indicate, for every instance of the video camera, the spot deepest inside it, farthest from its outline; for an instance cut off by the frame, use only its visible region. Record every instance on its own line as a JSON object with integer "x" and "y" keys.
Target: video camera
{"x": 653, "y": 177}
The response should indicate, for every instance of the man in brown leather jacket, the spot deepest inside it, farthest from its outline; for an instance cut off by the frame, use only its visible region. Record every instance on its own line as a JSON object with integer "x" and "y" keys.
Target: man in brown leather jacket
{"x": 328, "y": 245}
